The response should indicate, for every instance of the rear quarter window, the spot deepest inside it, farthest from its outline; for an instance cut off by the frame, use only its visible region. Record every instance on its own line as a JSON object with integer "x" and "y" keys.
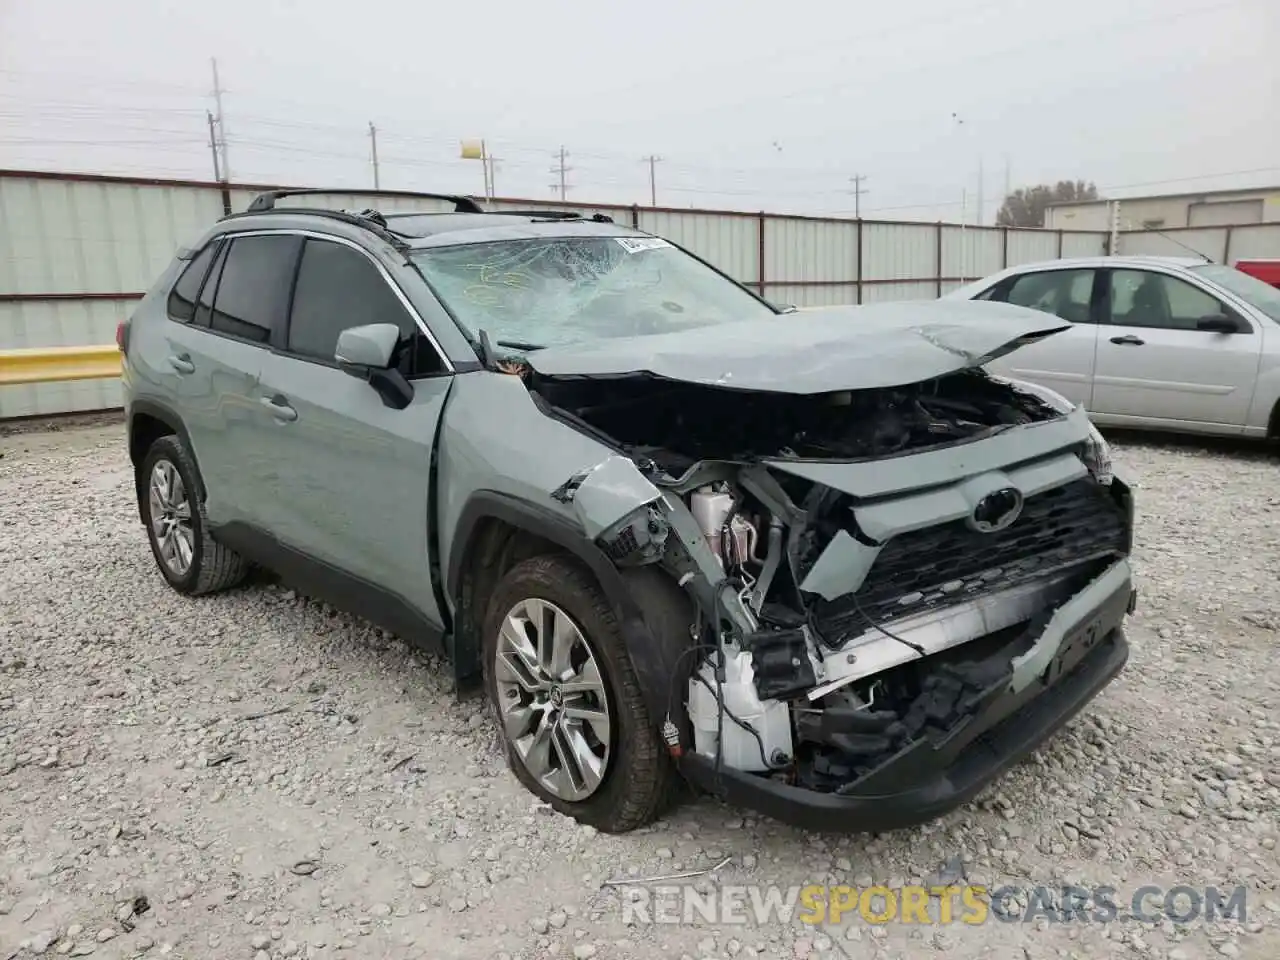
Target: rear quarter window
{"x": 182, "y": 298}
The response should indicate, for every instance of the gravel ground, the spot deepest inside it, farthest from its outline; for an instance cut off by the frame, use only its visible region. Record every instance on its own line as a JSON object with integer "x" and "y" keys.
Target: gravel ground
{"x": 256, "y": 775}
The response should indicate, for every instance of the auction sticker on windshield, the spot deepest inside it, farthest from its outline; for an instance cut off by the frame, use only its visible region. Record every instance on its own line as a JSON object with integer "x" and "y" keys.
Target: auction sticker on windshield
{"x": 637, "y": 244}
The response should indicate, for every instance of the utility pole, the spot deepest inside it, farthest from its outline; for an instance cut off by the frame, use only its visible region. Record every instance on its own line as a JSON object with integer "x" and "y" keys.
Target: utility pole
{"x": 493, "y": 168}
{"x": 220, "y": 122}
{"x": 857, "y": 180}
{"x": 373, "y": 153}
{"x": 560, "y": 169}
{"x": 981, "y": 184}
{"x": 652, "y": 160}
{"x": 213, "y": 146}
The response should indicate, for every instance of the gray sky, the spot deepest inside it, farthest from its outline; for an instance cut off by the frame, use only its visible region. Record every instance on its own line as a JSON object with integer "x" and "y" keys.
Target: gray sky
{"x": 752, "y": 105}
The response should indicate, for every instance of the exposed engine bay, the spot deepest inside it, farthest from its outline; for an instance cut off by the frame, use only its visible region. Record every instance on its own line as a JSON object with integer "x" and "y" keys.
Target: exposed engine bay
{"x": 845, "y": 616}
{"x": 675, "y": 425}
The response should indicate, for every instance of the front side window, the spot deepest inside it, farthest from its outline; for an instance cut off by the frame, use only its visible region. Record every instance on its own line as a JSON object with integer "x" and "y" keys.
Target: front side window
{"x": 339, "y": 288}
{"x": 1063, "y": 293}
{"x": 253, "y": 291}
{"x": 182, "y": 298}
{"x": 562, "y": 290}
{"x": 1143, "y": 298}
{"x": 1261, "y": 296}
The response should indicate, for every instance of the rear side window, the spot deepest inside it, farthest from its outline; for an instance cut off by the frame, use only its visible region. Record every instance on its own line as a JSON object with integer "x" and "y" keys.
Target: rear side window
{"x": 1063, "y": 293}
{"x": 182, "y": 298}
{"x": 253, "y": 290}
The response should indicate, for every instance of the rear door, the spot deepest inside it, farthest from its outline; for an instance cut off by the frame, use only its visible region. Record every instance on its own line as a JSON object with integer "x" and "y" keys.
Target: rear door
{"x": 216, "y": 353}
{"x": 1065, "y": 361}
{"x": 1156, "y": 368}
{"x": 350, "y": 477}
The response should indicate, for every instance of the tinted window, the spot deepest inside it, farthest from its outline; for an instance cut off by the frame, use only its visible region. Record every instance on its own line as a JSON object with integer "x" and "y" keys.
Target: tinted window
{"x": 1141, "y": 298}
{"x": 204, "y": 308}
{"x": 1064, "y": 293}
{"x": 339, "y": 288}
{"x": 182, "y": 299}
{"x": 253, "y": 292}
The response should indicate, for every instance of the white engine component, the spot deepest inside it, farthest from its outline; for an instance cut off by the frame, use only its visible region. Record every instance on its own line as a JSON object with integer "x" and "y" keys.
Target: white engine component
{"x": 710, "y": 509}
{"x": 770, "y": 719}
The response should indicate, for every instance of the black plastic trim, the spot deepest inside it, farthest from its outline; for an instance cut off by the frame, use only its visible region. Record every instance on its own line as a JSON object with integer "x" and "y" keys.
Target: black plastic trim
{"x": 320, "y": 579}
{"x": 266, "y": 201}
{"x": 169, "y": 417}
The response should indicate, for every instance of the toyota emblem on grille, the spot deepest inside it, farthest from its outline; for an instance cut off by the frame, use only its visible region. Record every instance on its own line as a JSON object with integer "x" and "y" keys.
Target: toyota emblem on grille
{"x": 996, "y": 511}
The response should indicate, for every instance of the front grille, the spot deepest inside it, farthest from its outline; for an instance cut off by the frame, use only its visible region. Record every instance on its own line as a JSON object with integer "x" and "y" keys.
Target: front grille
{"x": 947, "y": 564}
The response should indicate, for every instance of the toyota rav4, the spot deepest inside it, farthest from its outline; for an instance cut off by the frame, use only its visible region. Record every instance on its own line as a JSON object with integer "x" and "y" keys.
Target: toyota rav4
{"x": 820, "y": 564}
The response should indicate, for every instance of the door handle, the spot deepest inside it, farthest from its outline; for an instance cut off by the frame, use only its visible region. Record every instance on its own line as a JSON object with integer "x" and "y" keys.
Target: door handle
{"x": 182, "y": 364}
{"x": 1128, "y": 338}
{"x": 280, "y": 409}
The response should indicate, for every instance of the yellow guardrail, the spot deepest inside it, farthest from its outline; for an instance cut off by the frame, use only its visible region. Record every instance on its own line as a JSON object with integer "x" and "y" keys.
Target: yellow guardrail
{"x": 54, "y": 364}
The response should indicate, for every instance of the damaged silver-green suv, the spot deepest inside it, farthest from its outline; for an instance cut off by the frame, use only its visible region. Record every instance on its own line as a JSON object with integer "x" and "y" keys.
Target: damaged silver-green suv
{"x": 820, "y": 564}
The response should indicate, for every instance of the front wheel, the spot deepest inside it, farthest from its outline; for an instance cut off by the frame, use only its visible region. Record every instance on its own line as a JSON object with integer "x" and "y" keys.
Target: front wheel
{"x": 574, "y": 720}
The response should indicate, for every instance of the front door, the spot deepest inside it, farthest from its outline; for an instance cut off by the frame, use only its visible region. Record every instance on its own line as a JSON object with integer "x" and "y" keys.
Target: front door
{"x": 351, "y": 476}
{"x": 1155, "y": 367}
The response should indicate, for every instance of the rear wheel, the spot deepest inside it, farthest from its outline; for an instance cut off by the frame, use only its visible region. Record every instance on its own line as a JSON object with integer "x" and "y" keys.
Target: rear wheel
{"x": 566, "y": 696}
{"x": 173, "y": 511}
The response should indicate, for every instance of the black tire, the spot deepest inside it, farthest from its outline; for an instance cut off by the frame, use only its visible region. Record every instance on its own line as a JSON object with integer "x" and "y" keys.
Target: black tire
{"x": 213, "y": 566}
{"x": 640, "y": 779}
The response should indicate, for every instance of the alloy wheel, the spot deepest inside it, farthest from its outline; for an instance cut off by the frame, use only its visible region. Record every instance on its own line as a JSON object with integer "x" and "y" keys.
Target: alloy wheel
{"x": 552, "y": 699}
{"x": 171, "y": 518}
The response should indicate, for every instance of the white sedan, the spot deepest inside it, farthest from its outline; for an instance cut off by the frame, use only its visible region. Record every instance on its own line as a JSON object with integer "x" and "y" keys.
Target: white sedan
{"x": 1155, "y": 342}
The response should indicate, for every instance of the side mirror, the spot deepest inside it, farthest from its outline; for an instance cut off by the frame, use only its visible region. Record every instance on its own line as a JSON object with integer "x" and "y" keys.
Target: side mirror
{"x": 368, "y": 353}
{"x": 370, "y": 346}
{"x": 1222, "y": 323}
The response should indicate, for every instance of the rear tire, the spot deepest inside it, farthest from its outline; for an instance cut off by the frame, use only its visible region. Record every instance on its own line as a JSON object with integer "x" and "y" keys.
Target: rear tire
{"x": 172, "y": 506}
{"x": 633, "y": 779}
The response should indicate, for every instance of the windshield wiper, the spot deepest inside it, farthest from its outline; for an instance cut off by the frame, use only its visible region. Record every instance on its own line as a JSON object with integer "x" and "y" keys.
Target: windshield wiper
{"x": 487, "y": 358}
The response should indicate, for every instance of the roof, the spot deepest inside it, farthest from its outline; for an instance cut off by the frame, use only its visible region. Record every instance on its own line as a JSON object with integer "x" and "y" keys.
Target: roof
{"x": 1066, "y": 263}
{"x": 1239, "y": 192}
{"x": 421, "y": 230}
{"x": 432, "y": 229}
{"x": 974, "y": 287}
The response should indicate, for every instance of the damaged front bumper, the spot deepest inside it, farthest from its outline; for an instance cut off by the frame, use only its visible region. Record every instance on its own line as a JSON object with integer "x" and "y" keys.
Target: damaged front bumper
{"x": 1077, "y": 653}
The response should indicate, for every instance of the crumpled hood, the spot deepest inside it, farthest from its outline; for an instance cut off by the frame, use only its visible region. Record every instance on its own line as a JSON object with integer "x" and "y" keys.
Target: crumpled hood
{"x": 816, "y": 351}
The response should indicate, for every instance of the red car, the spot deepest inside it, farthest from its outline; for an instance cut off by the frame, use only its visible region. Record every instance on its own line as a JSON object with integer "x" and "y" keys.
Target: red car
{"x": 1268, "y": 271}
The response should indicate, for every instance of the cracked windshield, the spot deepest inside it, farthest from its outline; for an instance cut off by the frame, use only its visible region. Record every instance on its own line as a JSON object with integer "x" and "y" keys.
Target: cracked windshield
{"x": 541, "y": 293}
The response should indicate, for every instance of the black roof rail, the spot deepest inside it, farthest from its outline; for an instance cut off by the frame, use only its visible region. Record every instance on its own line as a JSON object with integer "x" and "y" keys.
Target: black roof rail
{"x": 544, "y": 214}
{"x": 374, "y": 224}
{"x": 267, "y": 201}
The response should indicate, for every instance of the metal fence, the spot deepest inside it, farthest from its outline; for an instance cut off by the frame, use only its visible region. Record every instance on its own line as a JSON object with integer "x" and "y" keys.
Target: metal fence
{"x": 76, "y": 251}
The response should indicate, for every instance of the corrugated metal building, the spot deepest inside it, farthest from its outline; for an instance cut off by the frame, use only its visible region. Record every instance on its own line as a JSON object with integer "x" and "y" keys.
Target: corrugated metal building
{"x": 1211, "y": 208}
